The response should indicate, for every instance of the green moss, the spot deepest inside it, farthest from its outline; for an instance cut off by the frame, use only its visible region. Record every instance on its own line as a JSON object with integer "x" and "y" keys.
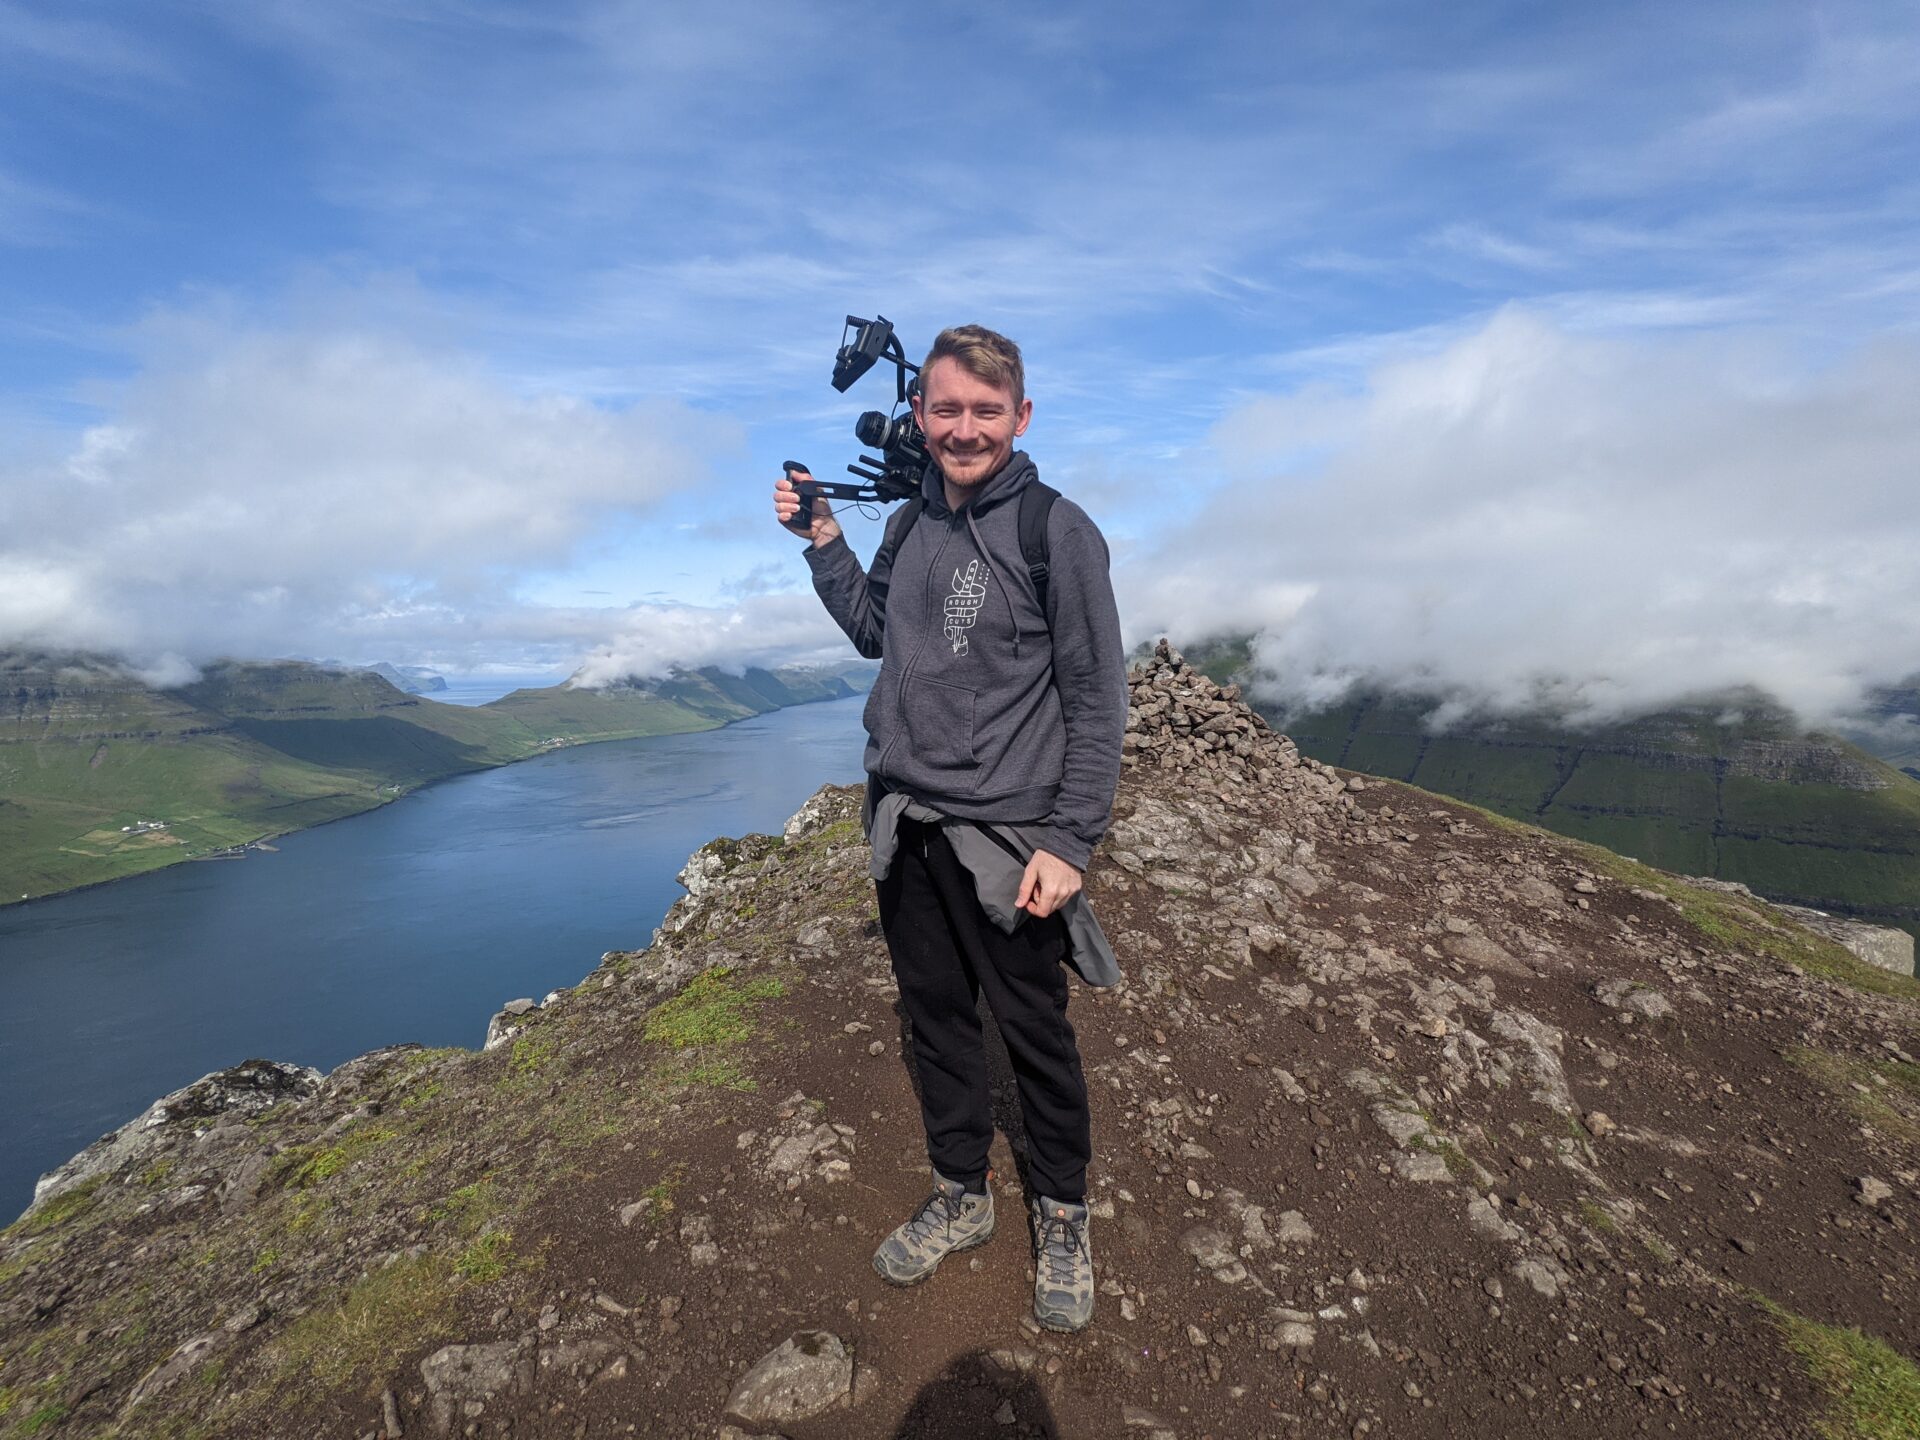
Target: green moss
{"x": 265, "y": 1260}
{"x": 406, "y": 1305}
{"x": 1657, "y": 1248}
{"x": 155, "y": 1175}
{"x": 1872, "y": 1389}
{"x": 713, "y": 1009}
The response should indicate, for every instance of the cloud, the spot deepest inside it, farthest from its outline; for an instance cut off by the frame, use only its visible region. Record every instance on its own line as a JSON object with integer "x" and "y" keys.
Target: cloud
{"x": 763, "y": 630}
{"x": 1529, "y": 516}
{"x": 256, "y": 491}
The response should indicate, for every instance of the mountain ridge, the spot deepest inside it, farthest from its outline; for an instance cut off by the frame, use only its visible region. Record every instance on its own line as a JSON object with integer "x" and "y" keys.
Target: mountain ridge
{"x": 1409, "y": 1120}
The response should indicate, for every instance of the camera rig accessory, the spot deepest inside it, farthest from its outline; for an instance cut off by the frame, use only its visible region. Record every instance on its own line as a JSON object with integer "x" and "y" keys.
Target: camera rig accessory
{"x": 893, "y": 474}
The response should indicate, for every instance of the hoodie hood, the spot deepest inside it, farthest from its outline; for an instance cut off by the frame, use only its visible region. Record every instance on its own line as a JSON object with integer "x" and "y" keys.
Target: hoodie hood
{"x": 1010, "y": 480}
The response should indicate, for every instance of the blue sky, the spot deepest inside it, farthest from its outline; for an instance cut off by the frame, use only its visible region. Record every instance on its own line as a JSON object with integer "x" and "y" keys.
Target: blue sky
{"x": 468, "y": 334}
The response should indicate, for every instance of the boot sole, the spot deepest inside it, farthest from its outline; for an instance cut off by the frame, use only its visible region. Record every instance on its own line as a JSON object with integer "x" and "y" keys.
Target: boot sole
{"x": 975, "y": 1243}
{"x": 1060, "y": 1326}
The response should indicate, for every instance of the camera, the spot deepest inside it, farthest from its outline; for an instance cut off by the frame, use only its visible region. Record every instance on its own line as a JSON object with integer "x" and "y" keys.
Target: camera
{"x": 894, "y": 473}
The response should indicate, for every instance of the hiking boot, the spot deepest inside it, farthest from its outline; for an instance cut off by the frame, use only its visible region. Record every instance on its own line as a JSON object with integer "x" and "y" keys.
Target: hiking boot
{"x": 1062, "y": 1264}
{"x": 950, "y": 1220}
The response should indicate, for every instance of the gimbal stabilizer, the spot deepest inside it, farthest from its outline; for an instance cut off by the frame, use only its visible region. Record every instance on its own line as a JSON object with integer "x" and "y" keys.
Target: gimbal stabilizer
{"x": 893, "y": 474}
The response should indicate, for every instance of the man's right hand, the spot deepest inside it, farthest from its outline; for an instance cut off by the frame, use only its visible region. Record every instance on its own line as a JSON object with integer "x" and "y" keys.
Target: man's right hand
{"x": 786, "y": 504}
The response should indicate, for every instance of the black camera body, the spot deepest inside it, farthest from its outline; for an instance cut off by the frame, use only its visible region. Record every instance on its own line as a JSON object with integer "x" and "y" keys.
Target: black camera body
{"x": 894, "y": 473}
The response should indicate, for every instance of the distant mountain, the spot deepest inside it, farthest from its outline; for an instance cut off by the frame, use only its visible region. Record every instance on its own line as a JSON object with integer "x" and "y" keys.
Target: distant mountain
{"x": 1735, "y": 789}
{"x": 413, "y": 679}
{"x": 102, "y": 775}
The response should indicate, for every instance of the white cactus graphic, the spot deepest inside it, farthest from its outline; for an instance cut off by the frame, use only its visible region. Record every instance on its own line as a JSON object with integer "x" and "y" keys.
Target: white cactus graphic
{"x": 963, "y": 605}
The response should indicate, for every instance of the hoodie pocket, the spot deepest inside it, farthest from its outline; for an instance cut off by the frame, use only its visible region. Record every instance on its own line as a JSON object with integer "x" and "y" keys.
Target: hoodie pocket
{"x": 939, "y": 725}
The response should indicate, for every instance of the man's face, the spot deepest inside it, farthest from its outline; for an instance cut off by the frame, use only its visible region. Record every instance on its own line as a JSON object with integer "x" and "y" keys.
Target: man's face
{"x": 971, "y": 424}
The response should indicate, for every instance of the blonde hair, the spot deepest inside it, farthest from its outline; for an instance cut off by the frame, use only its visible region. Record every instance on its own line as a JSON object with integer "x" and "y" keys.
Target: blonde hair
{"x": 984, "y": 353}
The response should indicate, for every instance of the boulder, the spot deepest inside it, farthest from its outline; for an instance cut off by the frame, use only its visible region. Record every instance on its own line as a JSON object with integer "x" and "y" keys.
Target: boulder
{"x": 805, "y": 1375}
{"x": 240, "y": 1090}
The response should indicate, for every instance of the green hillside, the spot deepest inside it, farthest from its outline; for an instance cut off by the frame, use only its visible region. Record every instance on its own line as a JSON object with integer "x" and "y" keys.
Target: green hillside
{"x": 1734, "y": 789}
{"x": 102, "y": 776}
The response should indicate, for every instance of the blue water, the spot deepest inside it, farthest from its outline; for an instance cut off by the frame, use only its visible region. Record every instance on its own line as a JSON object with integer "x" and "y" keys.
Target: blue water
{"x": 483, "y": 689}
{"x": 413, "y": 922}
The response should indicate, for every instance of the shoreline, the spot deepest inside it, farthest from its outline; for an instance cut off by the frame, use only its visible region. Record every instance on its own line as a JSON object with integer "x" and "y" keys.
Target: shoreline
{"x": 381, "y": 804}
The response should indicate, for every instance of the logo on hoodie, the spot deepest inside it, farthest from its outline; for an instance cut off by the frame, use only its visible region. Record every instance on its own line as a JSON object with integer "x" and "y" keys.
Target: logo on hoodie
{"x": 963, "y": 605}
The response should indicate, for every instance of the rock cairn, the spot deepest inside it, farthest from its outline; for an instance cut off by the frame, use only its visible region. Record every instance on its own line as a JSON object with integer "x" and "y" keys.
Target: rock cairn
{"x": 1178, "y": 719}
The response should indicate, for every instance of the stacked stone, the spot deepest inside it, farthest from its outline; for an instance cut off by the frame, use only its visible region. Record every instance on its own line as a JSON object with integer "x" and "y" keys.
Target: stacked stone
{"x": 1178, "y": 719}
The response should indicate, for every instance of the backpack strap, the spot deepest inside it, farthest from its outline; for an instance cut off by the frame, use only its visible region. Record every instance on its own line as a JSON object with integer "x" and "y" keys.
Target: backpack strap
{"x": 897, "y": 528}
{"x": 1036, "y": 504}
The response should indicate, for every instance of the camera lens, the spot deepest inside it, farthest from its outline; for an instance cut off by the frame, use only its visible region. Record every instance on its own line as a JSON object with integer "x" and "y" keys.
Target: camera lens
{"x": 873, "y": 428}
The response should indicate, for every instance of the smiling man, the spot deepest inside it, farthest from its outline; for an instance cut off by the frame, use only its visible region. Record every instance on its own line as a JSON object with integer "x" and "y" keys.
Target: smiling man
{"x": 993, "y": 752}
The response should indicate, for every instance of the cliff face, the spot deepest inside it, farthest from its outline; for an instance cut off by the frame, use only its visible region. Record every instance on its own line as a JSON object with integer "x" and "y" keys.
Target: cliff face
{"x": 1409, "y": 1121}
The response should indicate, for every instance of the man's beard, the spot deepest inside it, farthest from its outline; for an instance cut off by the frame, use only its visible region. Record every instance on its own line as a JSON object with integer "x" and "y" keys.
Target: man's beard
{"x": 989, "y": 470}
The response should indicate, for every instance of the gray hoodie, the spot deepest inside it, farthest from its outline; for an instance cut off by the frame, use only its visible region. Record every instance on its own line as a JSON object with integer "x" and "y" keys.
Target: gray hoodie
{"x": 983, "y": 709}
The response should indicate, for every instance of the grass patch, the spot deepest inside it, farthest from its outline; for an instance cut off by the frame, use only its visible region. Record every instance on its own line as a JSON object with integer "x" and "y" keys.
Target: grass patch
{"x": 1733, "y": 922}
{"x": 713, "y": 1009}
{"x": 45, "y": 1418}
{"x": 1458, "y": 1164}
{"x": 409, "y": 1303}
{"x": 584, "y": 1119}
{"x": 1657, "y": 1248}
{"x": 469, "y": 1207}
{"x": 68, "y": 1205}
{"x": 707, "y": 1074}
{"x": 307, "y": 1166}
{"x": 487, "y": 1259}
{"x": 1873, "y": 1390}
{"x": 1884, "y": 1094}
{"x": 532, "y": 1052}
{"x": 660, "y": 1193}
{"x": 1596, "y": 1217}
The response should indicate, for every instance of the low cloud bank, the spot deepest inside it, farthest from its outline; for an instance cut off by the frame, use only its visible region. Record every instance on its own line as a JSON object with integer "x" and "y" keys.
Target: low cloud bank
{"x": 1532, "y": 519}
{"x": 762, "y": 630}
{"x": 263, "y": 492}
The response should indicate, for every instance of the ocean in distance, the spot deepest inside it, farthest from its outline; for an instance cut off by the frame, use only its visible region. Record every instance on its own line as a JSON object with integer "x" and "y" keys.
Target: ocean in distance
{"x": 414, "y": 922}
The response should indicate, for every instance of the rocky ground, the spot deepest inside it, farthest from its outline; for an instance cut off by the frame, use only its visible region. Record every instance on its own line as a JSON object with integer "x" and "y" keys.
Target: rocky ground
{"x": 1409, "y": 1121}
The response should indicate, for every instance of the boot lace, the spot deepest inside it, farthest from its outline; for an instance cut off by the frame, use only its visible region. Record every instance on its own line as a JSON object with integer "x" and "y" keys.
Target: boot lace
{"x": 937, "y": 1214}
{"x": 1062, "y": 1243}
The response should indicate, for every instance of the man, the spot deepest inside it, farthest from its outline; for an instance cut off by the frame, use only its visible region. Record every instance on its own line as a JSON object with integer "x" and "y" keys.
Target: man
{"x": 993, "y": 751}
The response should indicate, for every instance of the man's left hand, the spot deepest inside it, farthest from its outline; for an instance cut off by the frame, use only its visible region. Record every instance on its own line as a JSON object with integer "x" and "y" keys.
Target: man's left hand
{"x": 1048, "y": 884}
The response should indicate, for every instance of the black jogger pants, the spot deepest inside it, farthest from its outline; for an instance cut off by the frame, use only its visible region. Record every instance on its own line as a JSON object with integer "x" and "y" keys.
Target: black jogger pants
{"x": 945, "y": 952}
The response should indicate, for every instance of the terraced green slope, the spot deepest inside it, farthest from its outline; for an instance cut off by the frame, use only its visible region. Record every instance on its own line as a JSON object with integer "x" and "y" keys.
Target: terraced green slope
{"x": 90, "y": 755}
{"x": 1735, "y": 790}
